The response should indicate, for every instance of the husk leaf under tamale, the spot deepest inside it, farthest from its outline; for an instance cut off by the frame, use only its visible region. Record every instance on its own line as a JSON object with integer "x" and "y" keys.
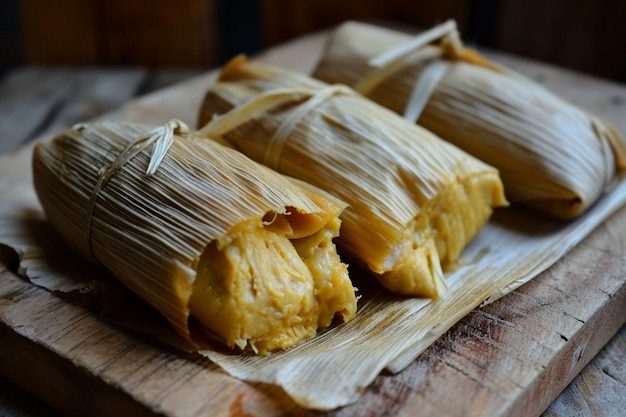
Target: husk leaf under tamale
{"x": 414, "y": 200}
{"x": 223, "y": 247}
{"x": 551, "y": 155}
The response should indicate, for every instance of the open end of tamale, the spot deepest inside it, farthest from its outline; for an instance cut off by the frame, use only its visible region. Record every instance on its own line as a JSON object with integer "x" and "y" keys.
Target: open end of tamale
{"x": 205, "y": 234}
{"x": 264, "y": 291}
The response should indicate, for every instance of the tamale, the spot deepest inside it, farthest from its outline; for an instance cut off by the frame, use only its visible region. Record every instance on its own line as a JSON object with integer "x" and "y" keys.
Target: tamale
{"x": 414, "y": 201}
{"x": 226, "y": 249}
{"x": 552, "y": 156}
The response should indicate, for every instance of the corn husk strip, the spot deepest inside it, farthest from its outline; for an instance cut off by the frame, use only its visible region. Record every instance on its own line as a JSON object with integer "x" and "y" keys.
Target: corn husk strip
{"x": 551, "y": 155}
{"x": 423, "y": 89}
{"x": 274, "y": 151}
{"x": 394, "y": 58}
{"x": 263, "y": 103}
{"x": 221, "y": 124}
{"x": 162, "y": 137}
{"x": 150, "y": 229}
{"x": 445, "y": 29}
{"x": 352, "y": 148}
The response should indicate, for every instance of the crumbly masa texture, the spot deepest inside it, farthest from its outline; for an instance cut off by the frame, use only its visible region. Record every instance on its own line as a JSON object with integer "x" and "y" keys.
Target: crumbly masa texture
{"x": 258, "y": 289}
{"x": 436, "y": 237}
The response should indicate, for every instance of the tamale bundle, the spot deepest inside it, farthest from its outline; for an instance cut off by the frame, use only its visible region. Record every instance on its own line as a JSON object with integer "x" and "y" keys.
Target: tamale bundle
{"x": 414, "y": 201}
{"x": 552, "y": 156}
{"x": 223, "y": 247}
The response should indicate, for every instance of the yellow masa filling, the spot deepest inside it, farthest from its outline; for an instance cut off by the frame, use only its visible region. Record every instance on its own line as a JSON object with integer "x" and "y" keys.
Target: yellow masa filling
{"x": 263, "y": 290}
{"x": 436, "y": 237}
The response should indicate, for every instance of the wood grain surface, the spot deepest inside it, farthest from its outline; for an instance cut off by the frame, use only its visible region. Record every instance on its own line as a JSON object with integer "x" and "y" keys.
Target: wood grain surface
{"x": 61, "y": 350}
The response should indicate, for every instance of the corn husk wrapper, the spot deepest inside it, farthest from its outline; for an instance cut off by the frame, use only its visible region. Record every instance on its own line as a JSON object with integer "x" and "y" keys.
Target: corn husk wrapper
{"x": 223, "y": 247}
{"x": 551, "y": 155}
{"x": 414, "y": 200}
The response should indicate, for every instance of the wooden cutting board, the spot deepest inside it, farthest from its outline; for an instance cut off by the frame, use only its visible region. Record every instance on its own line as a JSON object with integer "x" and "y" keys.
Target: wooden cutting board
{"x": 511, "y": 358}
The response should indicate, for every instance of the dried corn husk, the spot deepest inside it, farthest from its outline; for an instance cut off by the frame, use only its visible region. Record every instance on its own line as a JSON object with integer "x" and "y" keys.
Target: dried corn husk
{"x": 223, "y": 247}
{"x": 552, "y": 156}
{"x": 414, "y": 200}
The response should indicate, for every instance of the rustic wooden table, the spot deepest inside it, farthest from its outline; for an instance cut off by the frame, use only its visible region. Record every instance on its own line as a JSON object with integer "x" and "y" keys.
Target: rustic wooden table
{"x": 36, "y": 102}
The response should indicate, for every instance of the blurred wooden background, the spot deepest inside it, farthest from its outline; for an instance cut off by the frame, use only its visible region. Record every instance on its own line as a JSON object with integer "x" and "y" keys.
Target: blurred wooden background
{"x": 585, "y": 35}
